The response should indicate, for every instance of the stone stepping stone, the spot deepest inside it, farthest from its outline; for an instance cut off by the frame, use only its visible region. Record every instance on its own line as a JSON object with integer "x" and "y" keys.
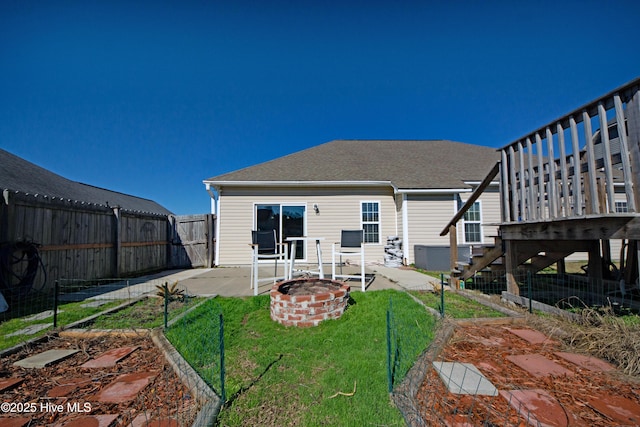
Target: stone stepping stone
{"x": 588, "y": 362}
{"x": 488, "y": 342}
{"x": 538, "y": 365}
{"x": 15, "y": 422}
{"x": 533, "y": 337}
{"x": 125, "y": 387}
{"x": 40, "y": 316}
{"x": 68, "y": 387}
{"x": 46, "y": 358}
{"x": 623, "y": 411}
{"x": 9, "y": 383}
{"x": 105, "y": 420}
{"x": 93, "y": 304}
{"x": 109, "y": 358}
{"x": 142, "y": 420}
{"x": 163, "y": 422}
{"x": 537, "y": 407}
{"x": 464, "y": 378}
{"x": 30, "y": 330}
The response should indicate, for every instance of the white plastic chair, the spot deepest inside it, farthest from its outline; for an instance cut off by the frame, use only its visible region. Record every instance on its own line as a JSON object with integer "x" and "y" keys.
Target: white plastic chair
{"x": 265, "y": 246}
{"x": 351, "y": 244}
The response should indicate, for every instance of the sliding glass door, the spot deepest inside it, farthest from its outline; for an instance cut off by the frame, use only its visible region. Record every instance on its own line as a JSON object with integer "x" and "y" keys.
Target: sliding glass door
{"x": 287, "y": 220}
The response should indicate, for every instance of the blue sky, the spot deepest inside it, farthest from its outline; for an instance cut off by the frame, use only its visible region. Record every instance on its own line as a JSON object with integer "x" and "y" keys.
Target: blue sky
{"x": 151, "y": 97}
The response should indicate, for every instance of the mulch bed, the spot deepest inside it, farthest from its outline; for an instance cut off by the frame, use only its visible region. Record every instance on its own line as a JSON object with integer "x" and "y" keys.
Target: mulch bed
{"x": 65, "y": 382}
{"x": 487, "y": 348}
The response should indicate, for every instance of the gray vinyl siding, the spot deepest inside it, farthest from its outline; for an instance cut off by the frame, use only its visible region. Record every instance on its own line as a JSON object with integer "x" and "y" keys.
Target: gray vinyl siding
{"x": 339, "y": 208}
{"x": 428, "y": 214}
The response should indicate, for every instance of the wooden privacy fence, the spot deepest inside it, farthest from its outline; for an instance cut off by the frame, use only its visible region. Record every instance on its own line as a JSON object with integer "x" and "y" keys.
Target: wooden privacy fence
{"x": 90, "y": 241}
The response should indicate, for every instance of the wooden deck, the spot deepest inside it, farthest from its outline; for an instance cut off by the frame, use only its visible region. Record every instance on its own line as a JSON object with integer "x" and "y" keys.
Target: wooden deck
{"x": 572, "y": 185}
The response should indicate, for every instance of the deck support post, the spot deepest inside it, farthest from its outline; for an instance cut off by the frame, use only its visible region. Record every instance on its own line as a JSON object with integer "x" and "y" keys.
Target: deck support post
{"x": 511, "y": 264}
{"x": 561, "y": 267}
{"x": 595, "y": 263}
{"x": 631, "y": 263}
{"x": 453, "y": 255}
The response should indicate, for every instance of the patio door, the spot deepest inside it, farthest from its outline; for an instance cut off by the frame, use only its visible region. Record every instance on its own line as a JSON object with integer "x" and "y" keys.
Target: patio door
{"x": 287, "y": 220}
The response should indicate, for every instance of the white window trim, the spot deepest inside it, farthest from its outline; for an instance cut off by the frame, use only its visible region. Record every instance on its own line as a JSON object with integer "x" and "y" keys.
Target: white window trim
{"x": 379, "y": 222}
{"x": 479, "y": 222}
{"x": 305, "y": 220}
{"x": 617, "y": 203}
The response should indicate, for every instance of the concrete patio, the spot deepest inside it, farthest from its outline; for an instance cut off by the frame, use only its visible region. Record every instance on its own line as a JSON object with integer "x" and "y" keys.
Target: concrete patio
{"x": 235, "y": 281}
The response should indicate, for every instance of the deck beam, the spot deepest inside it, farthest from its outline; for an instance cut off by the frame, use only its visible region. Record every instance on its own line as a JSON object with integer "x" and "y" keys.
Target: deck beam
{"x": 589, "y": 227}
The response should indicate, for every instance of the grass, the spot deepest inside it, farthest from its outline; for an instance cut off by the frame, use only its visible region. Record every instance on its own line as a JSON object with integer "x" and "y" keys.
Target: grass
{"x": 147, "y": 313}
{"x": 67, "y": 313}
{"x": 456, "y": 306}
{"x": 599, "y": 333}
{"x": 290, "y": 376}
{"x": 436, "y": 274}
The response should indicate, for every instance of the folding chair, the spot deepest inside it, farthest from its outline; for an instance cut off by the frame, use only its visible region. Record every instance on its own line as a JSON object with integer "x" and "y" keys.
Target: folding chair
{"x": 351, "y": 244}
{"x": 265, "y": 246}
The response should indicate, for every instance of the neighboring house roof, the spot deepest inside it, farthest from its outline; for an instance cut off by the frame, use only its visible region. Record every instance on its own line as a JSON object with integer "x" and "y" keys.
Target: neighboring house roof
{"x": 405, "y": 164}
{"x": 17, "y": 174}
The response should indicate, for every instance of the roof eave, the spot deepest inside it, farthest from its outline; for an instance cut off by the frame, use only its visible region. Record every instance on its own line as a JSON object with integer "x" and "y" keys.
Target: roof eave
{"x": 298, "y": 183}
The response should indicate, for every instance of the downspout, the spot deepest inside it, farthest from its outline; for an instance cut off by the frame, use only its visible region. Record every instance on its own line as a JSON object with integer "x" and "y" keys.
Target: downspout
{"x": 215, "y": 209}
{"x": 405, "y": 230}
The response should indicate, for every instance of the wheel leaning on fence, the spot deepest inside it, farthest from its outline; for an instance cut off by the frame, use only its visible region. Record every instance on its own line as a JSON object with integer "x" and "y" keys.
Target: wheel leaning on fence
{"x": 19, "y": 264}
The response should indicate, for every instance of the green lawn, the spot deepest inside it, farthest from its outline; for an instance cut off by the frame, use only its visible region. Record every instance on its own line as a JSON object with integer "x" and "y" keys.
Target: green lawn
{"x": 67, "y": 313}
{"x": 456, "y": 306}
{"x": 289, "y": 376}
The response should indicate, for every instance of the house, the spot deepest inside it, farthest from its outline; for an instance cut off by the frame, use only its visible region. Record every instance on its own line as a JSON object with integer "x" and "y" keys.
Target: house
{"x": 75, "y": 231}
{"x": 404, "y": 188}
{"x": 19, "y": 175}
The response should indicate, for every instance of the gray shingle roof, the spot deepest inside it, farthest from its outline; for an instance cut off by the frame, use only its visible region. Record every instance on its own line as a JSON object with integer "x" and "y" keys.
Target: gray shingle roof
{"x": 17, "y": 174}
{"x": 407, "y": 164}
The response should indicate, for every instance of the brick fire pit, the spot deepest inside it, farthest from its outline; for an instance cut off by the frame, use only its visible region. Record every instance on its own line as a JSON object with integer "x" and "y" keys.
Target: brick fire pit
{"x": 307, "y": 302}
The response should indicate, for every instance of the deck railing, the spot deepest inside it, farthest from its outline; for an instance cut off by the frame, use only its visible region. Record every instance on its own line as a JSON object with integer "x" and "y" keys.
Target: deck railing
{"x": 586, "y": 162}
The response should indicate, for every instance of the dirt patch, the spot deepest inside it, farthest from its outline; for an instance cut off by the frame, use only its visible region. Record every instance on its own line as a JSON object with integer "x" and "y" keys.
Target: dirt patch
{"x": 75, "y": 390}
{"x": 489, "y": 348}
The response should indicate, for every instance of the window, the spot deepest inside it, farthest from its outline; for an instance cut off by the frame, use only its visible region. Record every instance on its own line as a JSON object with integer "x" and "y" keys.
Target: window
{"x": 371, "y": 221}
{"x": 472, "y": 224}
{"x": 287, "y": 220}
{"x": 621, "y": 207}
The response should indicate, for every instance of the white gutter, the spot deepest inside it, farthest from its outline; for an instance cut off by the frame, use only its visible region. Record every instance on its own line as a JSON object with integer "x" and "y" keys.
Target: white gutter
{"x": 396, "y": 190}
{"x": 434, "y": 190}
{"x": 297, "y": 183}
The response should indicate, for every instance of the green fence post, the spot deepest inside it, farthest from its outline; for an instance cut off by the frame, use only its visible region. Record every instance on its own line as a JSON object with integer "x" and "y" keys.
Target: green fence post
{"x": 56, "y": 290}
{"x": 389, "y": 374}
{"x": 442, "y": 294}
{"x": 529, "y": 291}
{"x": 166, "y": 304}
{"x": 223, "y": 393}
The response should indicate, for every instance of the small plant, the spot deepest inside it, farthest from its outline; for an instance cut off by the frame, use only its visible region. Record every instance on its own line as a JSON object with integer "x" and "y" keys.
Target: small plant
{"x": 172, "y": 293}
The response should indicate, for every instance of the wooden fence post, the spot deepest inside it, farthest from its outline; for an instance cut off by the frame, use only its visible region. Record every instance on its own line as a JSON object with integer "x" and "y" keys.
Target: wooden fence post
{"x": 4, "y": 216}
{"x": 210, "y": 240}
{"x": 171, "y": 234}
{"x": 117, "y": 241}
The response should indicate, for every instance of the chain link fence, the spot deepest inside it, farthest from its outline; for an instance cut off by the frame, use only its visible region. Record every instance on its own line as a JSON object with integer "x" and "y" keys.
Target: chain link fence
{"x": 434, "y": 392}
{"x": 564, "y": 292}
{"x": 154, "y": 317}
